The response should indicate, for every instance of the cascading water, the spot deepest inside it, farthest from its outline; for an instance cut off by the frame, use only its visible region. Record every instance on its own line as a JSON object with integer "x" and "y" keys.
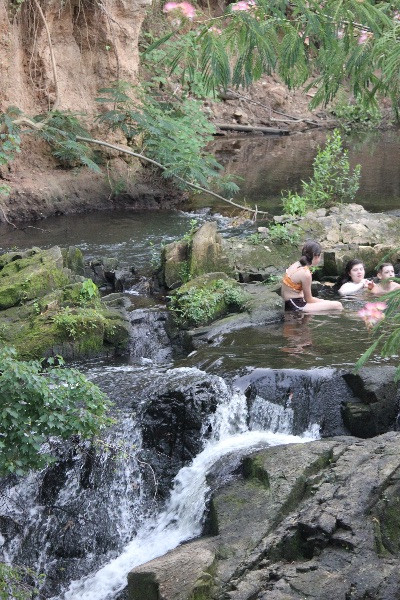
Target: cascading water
{"x": 182, "y": 517}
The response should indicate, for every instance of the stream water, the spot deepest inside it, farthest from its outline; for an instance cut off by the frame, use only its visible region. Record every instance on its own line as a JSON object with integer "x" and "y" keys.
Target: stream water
{"x": 85, "y": 525}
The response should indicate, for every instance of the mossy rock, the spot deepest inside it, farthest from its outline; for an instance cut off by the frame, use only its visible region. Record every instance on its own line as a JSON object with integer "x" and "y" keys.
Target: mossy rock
{"x": 73, "y": 260}
{"x": 43, "y": 311}
{"x": 206, "y": 298}
{"x": 30, "y": 276}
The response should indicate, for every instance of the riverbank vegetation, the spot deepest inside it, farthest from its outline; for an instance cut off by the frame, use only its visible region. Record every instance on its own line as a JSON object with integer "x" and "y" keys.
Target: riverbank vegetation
{"x": 42, "y": 399}
{"x": 325, "y": 48}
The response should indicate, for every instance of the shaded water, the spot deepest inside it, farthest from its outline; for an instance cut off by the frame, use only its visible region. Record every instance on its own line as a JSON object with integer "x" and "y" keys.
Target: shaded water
{"x": 270, "y": 165}
{"x": 300, "y": 341}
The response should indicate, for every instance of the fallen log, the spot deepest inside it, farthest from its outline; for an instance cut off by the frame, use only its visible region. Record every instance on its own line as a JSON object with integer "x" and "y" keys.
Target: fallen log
{"x": 251, "y": 128}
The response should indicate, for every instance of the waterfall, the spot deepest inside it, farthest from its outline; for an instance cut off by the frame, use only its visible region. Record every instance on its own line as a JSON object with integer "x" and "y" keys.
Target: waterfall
{"x": 182, "y": 517}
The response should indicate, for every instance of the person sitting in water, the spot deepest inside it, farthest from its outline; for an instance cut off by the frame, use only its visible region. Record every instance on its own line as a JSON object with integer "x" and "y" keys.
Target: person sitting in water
{"x": 386, "y": 284}
{"x": 353, "y": 280}
{"x": 296, "y": 283}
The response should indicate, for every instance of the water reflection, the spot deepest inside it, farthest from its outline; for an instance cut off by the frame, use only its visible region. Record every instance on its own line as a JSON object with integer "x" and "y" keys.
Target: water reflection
{"x": 269, "y": 165}
{"x": 297, "y": 332}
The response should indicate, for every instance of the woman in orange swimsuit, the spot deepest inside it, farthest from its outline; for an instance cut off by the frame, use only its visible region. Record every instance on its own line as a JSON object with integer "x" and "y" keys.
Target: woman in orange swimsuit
{"x": 296, "y": 283}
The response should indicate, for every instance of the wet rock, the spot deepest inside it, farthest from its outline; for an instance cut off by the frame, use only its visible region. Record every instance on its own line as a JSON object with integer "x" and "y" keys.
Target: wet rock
{"x": 299, "y": 399}
{"x": 263, "y": 305}
{"x": 322, "y": 523}
{"x": 149, "y": 335}
{"x": 193, "y": 570}
{"x": 377, "y": 401}
{"x": 177, "y": 420}
{"x": 174, "y": 264}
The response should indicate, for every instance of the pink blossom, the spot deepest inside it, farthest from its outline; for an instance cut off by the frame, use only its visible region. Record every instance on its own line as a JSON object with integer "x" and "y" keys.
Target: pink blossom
{"x": 372, "y": 313}
{"x": 396, "y": 16}
{"x": 170, "y": 6}
{"x": 241, "y": 5}
{"x": 340, "y": 34}
{"x": 363, "y": 37}
{"x": 187, "y": 9}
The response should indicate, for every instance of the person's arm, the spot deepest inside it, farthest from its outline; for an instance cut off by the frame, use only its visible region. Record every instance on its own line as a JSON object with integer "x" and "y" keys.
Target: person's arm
{"x": 306, "y": 283}
{"x": 351, "y": 288}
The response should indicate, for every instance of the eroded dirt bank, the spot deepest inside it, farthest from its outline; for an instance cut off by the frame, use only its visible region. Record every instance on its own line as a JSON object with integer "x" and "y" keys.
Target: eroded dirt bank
{"x": 93, "y": 44}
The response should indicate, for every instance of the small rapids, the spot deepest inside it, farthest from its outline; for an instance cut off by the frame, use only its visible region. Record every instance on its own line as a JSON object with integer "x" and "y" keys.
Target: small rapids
{"x": 183, "y": 514}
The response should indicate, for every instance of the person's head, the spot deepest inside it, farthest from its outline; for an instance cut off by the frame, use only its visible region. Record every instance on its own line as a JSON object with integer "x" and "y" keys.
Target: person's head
{"x": 310, "y": 253}
{"x": 354, "y": 270}
{"x": 385, "y": 271}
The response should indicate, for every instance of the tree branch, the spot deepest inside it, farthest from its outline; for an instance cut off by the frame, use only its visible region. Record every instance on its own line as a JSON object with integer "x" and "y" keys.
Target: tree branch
{"x": 160, "y": 166}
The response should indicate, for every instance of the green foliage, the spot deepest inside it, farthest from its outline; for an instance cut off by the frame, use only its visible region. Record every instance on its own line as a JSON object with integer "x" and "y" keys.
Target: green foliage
{"x": 188, "y": 236}
{"x": 356, "y": 115}
{"x": 60, "y": 131}
{"x": 353, "y": 42}
{"x": 255, "y": 239}
{"x": 17, "y": 583}
{"x": 89, "y": 292}
{"x": 294, "y": 204}
{"x": 174, "y": 133}
{"x": 281, "y": 234}
{"x": 198, "y": 306}
{"x": 332, "y": 180}
{"x": 10, "y": 139}
{"x": 40, "y": 402}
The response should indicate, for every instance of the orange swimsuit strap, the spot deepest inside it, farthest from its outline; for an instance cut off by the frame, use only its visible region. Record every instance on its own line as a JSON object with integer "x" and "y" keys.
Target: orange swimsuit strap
{"x": 296, "y": 287}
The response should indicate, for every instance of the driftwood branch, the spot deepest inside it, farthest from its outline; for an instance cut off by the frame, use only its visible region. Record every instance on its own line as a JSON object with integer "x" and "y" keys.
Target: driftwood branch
{"x": 160, "y": 166}
{"x": 251, "y": 128}
{"x": 290, "y": 118}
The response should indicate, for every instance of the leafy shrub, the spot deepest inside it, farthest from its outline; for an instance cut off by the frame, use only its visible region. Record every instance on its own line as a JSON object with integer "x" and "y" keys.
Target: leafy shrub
{"x": 172, "y": 132}
{"x": 199, "y": 306}
{"x": 89, "y": 292}
{"x": 280, "y": 234}
{"x": 18, "y": 583}
{"x": 332, "y": 180}
{"x": 356, "y": 115}
{"x": 294, "y": 204}
{"x": 40, "y": 402}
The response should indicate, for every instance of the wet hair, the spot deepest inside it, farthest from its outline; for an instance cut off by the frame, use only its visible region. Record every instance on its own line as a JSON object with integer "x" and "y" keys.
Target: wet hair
{"x": 309, "y": 250}
{"x": 383, "y": 265}
{"x": 347, "y": 277}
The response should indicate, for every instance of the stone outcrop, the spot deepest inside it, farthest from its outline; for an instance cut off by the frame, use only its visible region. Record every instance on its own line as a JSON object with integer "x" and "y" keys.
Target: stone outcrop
{"x": 317, "y": 520}
{"x": 189, "y": 258}
{"x": 349, "y": 231}
{"x": 174, "y": 419}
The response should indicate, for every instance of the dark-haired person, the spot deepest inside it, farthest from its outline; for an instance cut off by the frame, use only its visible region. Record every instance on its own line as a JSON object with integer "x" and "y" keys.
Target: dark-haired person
{"x": 296, "y": 283}
{"x": 385, "y": 285}
{"x": 353, "y": 280}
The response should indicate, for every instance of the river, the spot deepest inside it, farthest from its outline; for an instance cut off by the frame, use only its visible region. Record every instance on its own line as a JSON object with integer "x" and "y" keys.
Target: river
{"x": 108, "y": 523}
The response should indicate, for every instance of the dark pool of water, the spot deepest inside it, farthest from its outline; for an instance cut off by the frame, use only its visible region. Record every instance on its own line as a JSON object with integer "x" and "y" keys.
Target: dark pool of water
{"x": 270, "y": 165}
{"x": 299, "y": 341}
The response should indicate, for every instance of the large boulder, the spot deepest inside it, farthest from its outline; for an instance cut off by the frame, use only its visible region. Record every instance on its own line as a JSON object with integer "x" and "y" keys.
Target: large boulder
{"x": 207, "y": 253}
{"x": 48, "y": 309}
{"x": 178, "y": 408}
{"x": 317, "y": 520}
{"x": 376, "y": 402}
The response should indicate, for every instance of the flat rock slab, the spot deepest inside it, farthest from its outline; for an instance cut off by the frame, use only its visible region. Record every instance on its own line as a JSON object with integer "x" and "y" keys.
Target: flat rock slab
{"x": 317, "y": 520}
